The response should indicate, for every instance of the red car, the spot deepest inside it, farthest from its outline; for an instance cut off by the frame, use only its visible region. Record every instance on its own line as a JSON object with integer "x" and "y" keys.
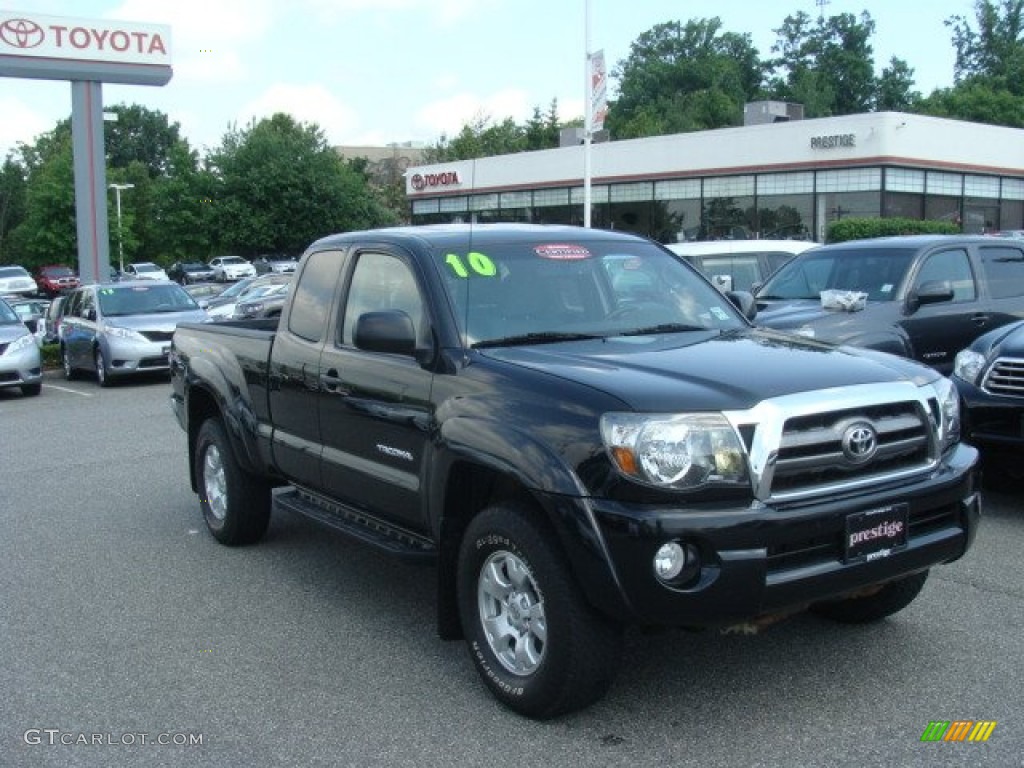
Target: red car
{"x": 55, "y": 279}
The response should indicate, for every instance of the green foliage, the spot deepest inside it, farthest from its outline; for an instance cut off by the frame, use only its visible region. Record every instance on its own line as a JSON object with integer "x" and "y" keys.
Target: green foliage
{"x": 46, "y": 234}
{"x": 278, "y": 186}
{"x": 894, "y": 90}
{"x": 13, "y": 188}
{"x": 481, "y": 137}
{"x": 995, "y": 48}
{"x": 859, "y": 229}
{"x": 978, "y": 99}
{"x": 684, "y": 78}
{"x": 827, "y": 65}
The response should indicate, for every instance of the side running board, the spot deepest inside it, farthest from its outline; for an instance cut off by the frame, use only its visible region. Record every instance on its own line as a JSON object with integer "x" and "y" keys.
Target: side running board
{"x": 357, "y": 524}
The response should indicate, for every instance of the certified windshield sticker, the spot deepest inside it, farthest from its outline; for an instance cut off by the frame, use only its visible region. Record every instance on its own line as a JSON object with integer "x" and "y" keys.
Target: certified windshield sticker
{"x": 560, "y": 251}
{"x": 887, "y": 288}
{"x": 720, "y": 313}
{"x": 475, "y": 263}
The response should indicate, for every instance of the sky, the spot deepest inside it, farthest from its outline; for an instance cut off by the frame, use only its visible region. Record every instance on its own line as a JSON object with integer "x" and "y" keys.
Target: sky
{"x": 374, "y": 72}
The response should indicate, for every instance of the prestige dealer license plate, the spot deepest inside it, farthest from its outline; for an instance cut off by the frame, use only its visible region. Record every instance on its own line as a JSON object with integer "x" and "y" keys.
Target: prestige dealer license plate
{"x": 875, "y": 533}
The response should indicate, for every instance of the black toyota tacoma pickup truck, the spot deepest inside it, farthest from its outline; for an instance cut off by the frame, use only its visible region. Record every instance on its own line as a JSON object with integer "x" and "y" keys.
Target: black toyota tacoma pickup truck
{"x": 580, "y": 433}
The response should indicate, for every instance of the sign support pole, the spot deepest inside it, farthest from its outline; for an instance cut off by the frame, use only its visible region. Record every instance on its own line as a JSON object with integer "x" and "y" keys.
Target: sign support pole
{"x": 90, "y": 181}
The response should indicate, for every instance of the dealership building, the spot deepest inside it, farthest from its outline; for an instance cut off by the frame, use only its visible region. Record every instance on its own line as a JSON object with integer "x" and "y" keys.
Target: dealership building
{"x": 784, "y": 179}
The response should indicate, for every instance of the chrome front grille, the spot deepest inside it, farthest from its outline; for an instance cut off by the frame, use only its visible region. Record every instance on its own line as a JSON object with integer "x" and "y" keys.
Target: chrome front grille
{"x": 158, "y": 335}
{"x": 1005, "y": 377}
{"x": 812, "y": 452}
{"x": 832, "y": 441}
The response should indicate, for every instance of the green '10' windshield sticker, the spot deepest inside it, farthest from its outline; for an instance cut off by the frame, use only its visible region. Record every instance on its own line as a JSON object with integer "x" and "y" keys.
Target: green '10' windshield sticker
{"x": 473, "y": 262}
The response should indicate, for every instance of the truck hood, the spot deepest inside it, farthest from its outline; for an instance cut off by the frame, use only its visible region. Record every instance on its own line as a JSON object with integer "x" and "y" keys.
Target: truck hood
{"x": 710, "y": 371}
{"x": 825, "y": 324}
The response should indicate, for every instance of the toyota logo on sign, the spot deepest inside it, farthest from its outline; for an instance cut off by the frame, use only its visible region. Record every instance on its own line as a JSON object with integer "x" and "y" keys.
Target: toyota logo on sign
{"x": 860, "y": 441}
{"x": 418, "y": 182}
{"x": 21, "y": 33}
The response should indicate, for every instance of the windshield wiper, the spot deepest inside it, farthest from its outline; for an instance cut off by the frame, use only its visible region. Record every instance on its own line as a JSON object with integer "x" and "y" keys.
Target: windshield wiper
{"x": 545, "y": 337}
{"x": 663, "y": 328}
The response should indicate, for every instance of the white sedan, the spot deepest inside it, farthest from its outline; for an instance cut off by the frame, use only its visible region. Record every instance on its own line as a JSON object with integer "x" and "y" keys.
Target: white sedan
{"x": 231, "y": 268}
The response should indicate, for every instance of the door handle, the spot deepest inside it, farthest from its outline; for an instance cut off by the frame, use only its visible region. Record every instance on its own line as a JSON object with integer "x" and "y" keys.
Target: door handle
{"x": 331, "y": 383}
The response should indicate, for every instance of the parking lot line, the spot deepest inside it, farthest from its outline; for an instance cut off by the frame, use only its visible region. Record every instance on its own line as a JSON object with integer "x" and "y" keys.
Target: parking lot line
{"x": 67, "y": 389}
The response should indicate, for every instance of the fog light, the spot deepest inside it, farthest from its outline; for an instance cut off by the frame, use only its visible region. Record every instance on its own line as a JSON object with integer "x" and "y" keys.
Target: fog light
{"x": 669, "y": 560}
{"x": 677, "y": 564}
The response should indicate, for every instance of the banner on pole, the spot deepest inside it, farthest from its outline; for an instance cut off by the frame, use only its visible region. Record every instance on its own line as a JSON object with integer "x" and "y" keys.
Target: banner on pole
{"x": 598, "y": 91}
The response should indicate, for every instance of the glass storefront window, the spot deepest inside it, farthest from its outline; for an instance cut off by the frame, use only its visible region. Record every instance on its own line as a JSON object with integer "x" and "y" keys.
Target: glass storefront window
{"x": 903, "y": 205}
{"x": 785, "y": 217}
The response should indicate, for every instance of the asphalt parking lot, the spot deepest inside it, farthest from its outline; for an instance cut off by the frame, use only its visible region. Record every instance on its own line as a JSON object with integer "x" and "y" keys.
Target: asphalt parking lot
{"x": 125, "y": 625}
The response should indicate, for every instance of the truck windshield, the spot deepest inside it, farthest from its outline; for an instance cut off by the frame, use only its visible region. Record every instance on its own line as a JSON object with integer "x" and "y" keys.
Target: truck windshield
{"x": 877, "y": 272}
{"x": 538, "y": 291}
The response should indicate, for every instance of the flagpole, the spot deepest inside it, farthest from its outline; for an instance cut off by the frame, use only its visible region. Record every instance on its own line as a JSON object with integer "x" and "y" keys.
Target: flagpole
{"x": 588, "y": 113}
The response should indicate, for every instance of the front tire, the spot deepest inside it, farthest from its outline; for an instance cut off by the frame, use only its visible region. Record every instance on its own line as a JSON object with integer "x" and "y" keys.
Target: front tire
{"x": 891, "y": 598}
{"x": 539, "y": 647}
{"x": 102, "y": 374}
{"x": 31, "y": 390}
{"x": 235, "y": 503}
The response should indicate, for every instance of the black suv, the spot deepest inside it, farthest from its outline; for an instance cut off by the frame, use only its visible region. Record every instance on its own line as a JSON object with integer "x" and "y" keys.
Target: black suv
{"x": 924, "y": 296}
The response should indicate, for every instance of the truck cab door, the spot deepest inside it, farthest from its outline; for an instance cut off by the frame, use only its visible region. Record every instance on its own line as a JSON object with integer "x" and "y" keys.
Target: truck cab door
{"x": 295, "y": 368}
{"x": 939, "y": 327}
{"x": 375, "y": 410}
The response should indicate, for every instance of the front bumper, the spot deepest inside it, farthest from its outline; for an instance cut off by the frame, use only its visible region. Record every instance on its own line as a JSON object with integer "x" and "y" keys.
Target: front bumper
{"x": 21, "y": 368}
{"x": 991, "y": 421}
{"x": 762, "y": 560}
{"x": 126, "y": 357}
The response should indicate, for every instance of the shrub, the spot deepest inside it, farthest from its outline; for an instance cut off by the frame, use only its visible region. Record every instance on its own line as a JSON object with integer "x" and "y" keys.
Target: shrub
{"x": 858, "y": 229}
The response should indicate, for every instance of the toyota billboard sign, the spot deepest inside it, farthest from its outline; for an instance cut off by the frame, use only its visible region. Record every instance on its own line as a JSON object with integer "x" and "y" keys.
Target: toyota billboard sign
{"x": 59, "y": 47}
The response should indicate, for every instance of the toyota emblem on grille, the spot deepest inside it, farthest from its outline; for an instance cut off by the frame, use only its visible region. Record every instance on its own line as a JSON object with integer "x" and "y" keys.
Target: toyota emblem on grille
{"x": 21, "y": 33}
{"x": 860, "y": 441}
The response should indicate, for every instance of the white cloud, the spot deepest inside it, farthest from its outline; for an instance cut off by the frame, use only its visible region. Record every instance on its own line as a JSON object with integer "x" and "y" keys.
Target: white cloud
{"x": 307, "y": 103}
{"x": 448, "y": 115}
{"x": 207, "y": 36}
{"x": 22, "y": 123}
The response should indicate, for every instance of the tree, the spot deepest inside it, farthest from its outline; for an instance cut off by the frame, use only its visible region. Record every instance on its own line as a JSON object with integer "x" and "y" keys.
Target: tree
{"x": 47, "y": 233}
{"x": 894, "y": 89}
{"x": 684, "y": 78}
{"x": 278, "y": 185}
{"x": 827, "y": 65}
{"x": 996, "y": 48}
{"x": 989, "y": 70}
{"x": 140, "y": 135}
{"x": 13, "y": 186}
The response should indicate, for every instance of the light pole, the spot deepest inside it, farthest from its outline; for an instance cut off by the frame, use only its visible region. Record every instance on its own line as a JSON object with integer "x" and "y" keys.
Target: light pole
{"x": 120, "y": 240}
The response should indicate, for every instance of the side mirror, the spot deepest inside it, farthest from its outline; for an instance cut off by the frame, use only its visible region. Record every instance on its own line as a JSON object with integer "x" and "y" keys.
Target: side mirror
{"x": 931, "y": 292}
{"x": 744, "y": 302}
{"x": 388, "y": 330}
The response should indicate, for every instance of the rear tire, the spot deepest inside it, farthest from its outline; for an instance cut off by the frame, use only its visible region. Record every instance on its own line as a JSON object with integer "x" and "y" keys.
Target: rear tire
{"x": 235, "y": 503}
{"x": 538, "y": 645}
{"x": 65, "y": 360}
{"x": 893, "y": 597}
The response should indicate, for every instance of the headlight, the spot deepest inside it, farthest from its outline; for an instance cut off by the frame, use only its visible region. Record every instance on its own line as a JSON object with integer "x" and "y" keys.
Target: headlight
{"x": 20, "y": 343}
{"x": 949, "y": 411}
{"x": 969, "y": 365}
{"x": 124, "y": 333}
{"x": 680, "y": 451}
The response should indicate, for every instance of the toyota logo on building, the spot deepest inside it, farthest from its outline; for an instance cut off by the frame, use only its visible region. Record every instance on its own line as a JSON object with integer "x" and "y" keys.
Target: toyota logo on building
{"x": 418, "y": 182}
{"x": 21, "y": 33}
{"x": 860, "y": 442}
